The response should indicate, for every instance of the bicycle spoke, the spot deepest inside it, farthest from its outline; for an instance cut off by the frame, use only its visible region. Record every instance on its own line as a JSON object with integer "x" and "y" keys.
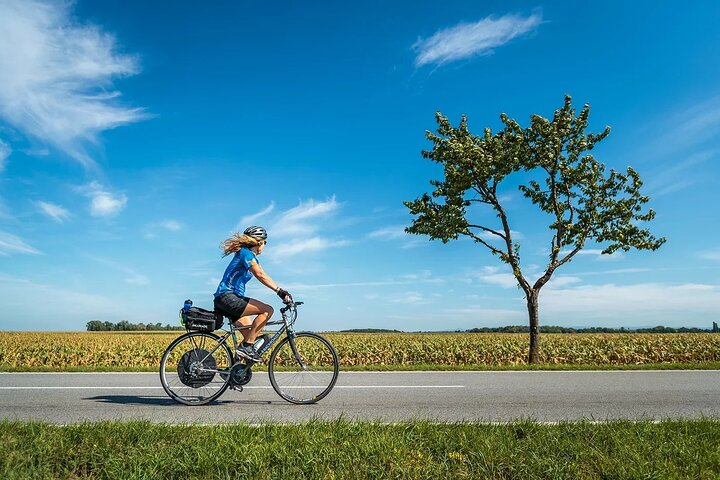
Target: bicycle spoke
{"x": 189, "y": 370}
{"x": 305, "y": 373}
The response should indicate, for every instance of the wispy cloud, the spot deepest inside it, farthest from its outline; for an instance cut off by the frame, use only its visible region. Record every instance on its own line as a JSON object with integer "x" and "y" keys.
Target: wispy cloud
{"x": 5, "y": 152}
{"x": 313, "y": 244}
{"x": 710, "y": 254}
{"x": 688, "y": 127}
{"x": 102, "y": 202}
{"x": 389, "y": 233}
{"x": 251, "y": 219}
{"x": 151, "y": 229}
{"x": 681, "y": 175}
{"x": 473, "y": 39}
{"x": 597, "y": 253}
{"x": 305, "y": 219}
{"x": 56, "y": 212}
{"x": 424, "y": 277}
{"x": 411, "y": 298}
{"x": 56, "y": 76}
{"x": 491, "y": 236}
{"x": 303, "y": 229}
{"x": 171, "y": 225}
{"x": 11, "y": 244}
{"x": 494, "y": 276}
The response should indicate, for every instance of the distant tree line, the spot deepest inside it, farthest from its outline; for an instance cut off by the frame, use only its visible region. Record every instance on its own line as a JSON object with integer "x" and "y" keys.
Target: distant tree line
{"x": 556, "y": 329}
{"x": 370, "y": 330}
{"x": 553, "y": 329}
{"x": 125, "y": 326}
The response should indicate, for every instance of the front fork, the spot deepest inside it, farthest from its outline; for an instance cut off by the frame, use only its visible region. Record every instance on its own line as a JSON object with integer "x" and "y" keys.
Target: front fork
{"x": 293, "y": 347}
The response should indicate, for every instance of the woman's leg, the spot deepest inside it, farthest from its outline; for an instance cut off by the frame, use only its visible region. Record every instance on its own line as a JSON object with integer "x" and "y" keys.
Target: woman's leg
{"x": 263, "y": 312}
{"x": 244, "y": 321}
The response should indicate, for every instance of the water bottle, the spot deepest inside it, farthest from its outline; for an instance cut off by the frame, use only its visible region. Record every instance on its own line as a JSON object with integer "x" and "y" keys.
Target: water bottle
{"x": 188, "y": 305}
{"x": 261, "y": 341}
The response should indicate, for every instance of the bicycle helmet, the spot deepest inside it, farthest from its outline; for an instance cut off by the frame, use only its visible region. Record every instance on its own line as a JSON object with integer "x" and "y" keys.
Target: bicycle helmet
{"x": 258, "y": 233}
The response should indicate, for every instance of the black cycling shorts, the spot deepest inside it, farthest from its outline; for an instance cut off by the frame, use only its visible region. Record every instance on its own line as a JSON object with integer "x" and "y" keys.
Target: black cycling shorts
{"x": 231, "y": 305}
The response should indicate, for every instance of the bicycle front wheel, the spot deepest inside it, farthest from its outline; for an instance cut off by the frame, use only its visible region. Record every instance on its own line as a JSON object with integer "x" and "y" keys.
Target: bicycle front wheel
{"x": 303, "y": 368}
{"x": 191, "y": 370}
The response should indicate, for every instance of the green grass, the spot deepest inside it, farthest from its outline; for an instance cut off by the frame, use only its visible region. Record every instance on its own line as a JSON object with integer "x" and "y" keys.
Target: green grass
{"x": 354, "y": 450}
{"x": 414, "y": 367}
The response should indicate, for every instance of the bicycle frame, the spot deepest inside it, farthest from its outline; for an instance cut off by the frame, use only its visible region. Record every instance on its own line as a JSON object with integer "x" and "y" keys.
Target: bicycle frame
{"x": 287, "y": 322}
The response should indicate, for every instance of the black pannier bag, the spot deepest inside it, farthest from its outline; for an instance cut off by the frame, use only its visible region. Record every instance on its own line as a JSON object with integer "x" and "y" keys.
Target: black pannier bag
{"x": 200, "y": 320}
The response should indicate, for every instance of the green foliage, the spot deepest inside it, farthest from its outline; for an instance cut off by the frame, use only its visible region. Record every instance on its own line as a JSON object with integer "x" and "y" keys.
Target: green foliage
{"x": 362, "y": 450}
{"x": 583, "y": 201}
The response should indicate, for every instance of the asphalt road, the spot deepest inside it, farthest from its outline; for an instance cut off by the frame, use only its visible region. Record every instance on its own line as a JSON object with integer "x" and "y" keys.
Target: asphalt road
{"x": 384, "y": 397}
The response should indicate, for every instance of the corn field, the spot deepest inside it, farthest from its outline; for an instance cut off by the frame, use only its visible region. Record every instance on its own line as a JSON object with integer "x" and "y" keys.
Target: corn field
{"x": 134, "y": 350}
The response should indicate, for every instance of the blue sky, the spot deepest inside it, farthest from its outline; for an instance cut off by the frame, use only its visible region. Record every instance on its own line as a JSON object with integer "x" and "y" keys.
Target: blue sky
{"x": 136, "y": 136}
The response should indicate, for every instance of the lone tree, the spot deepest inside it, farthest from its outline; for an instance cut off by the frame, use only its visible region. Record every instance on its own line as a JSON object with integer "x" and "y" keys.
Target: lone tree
{"x": 583, "y": 201}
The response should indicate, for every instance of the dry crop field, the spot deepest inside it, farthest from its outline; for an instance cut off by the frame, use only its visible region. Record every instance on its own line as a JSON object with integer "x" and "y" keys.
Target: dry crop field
{"x": 142, "y": 350}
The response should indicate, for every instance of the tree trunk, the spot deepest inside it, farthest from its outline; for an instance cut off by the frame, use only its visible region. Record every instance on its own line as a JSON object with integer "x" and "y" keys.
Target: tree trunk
{"x": 532, "y": 305}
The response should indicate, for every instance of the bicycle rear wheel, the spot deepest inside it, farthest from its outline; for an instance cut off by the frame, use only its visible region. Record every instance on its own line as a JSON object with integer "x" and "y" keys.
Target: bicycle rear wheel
{"x": 303, "y": 368}
{"x": 190, "y": 368}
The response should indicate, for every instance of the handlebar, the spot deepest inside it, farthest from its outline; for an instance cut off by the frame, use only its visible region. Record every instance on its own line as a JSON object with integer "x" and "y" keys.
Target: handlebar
{"x": 291, "y": 305}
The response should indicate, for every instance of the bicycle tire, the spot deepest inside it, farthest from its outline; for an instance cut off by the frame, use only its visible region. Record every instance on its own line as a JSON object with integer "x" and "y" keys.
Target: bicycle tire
{"x": 288, "y": 375}
{"x": 192, "y": 388}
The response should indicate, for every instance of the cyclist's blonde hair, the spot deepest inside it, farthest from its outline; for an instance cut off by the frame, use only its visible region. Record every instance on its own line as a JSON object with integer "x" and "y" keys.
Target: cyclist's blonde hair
{"x": 236, "y": 242}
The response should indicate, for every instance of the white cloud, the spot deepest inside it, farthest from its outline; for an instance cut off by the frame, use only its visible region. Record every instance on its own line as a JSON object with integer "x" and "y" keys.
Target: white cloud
{"x": 10, "y": 244}
{"x": 56, "y": 76}
{"x": 56, "y": 212}
{"x": 491, "y": 236}
{"x": 313, "y": 244}
{"x": 473, "y": 39}
{"x": 411, "y": 298}
{"x": 249, "y": 220}
{"x": 172, "y": 225}
{"x": 416, "y": 242}
{"x": 304, "y": 219}
{"x": 389, "y": 233}
{"x": 710, "y": 255}
{"x": 423, "y": 275}
{"x": 679, "y": 176}
{"x": 5, "y": 152}
{"x": 597, "y": 253}
{"x": 689, "y": 126}
{"x": 102, "y": 202}
{"x": 493, "y": 276}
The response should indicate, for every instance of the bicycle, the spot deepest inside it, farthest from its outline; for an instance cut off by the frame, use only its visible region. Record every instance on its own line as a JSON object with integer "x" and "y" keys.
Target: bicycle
{"x": 199, "y": 366}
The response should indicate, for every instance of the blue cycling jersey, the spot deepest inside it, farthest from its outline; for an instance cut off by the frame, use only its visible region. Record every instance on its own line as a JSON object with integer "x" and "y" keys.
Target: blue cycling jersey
{"x": 238, "y": 273}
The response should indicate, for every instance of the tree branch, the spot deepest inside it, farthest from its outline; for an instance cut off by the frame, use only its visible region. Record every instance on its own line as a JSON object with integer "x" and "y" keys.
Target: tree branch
{"x": 495, "y": 250}
{"x": 489, "y": 230}
{"x": 512, "y": 259}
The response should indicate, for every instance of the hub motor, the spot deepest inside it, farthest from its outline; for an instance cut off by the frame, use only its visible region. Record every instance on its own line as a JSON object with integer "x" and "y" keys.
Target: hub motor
{"x": 192, "y": 365}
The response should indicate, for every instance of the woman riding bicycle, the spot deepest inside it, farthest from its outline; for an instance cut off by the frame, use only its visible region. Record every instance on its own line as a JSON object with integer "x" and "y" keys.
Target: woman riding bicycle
{"x": 230, "y": 296}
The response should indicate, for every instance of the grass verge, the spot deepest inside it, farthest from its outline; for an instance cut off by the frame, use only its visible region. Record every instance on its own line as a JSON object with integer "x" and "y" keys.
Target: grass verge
{"x": 356, "y": 450}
